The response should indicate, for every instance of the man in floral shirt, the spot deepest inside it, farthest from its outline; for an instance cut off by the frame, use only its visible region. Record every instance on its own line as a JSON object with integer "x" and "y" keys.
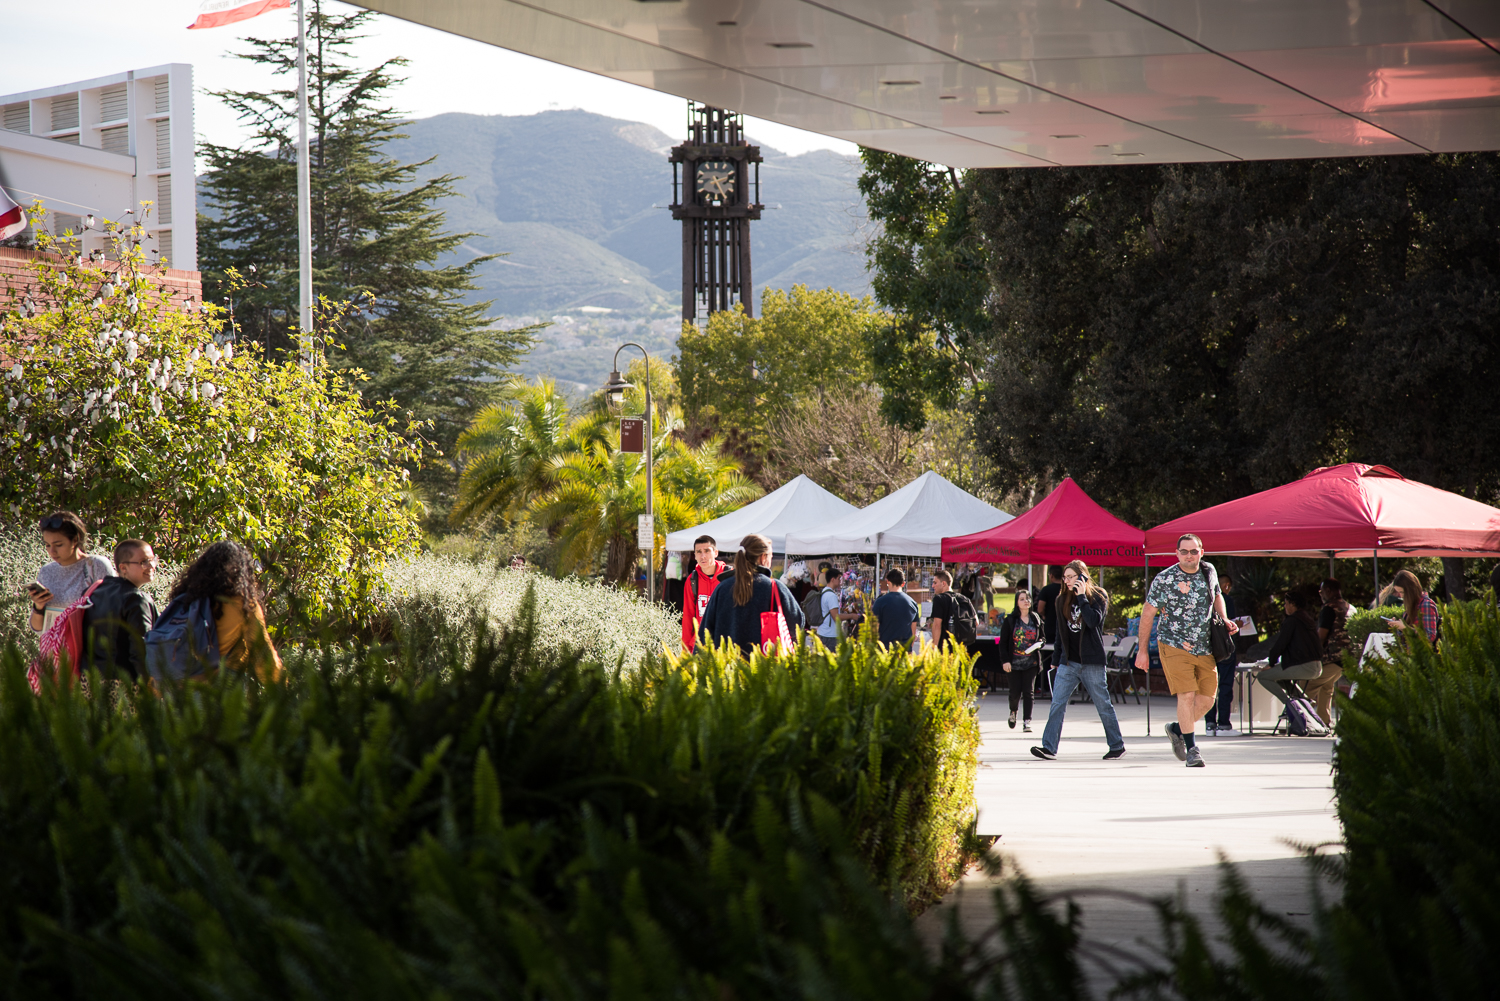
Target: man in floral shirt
{"x": 1184, "y": 596}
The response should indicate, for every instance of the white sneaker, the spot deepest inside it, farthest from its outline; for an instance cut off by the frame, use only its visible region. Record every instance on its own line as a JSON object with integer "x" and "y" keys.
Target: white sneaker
{"x": 1227, "y": 731}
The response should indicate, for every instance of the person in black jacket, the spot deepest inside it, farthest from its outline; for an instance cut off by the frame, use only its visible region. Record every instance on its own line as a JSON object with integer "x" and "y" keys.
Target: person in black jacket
{"x": 121, "y": 614}
{"x": 1021, "y": 630}
{"x": 1080, "y": 642}
{"x": 1295, "y": 653}
{"x": 734, "y": 609}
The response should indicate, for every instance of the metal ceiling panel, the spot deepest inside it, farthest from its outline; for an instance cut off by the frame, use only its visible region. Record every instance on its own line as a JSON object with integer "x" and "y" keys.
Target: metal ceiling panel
{"x": 1034, "y": 82}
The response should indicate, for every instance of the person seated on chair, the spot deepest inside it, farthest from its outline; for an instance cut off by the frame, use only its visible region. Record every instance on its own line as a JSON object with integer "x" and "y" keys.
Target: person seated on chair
{"x": 1295, "y": 654}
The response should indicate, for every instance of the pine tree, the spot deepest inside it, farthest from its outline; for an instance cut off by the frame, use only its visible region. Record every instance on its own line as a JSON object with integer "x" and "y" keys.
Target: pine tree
{"x": 378, "y": 240}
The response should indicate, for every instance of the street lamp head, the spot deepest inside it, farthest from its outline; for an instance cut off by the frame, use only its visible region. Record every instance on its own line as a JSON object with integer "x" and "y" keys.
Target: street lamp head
{"x": 614, "y": 389}
{"x": 829, "y": 456}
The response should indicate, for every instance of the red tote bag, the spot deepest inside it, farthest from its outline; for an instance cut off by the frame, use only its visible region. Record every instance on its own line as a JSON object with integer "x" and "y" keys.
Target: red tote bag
{"x": 773, "y": 629}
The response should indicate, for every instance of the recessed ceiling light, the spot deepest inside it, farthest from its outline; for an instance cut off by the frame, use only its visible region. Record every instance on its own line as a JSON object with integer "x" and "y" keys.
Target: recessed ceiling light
{"x": 1067, "y": 137}
{"x": 900, "y": 83}
{"x": 728, "y": 24}
{"x": 992, "y": 111}
{"x": 790, "y": 45}
{"x": 1130, "y": 154}
{"x": 948, "y": 97}
{"x": 1102, "y": 146}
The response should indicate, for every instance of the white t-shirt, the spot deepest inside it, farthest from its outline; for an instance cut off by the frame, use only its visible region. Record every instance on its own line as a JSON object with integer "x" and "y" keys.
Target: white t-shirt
{"x": 829, "y": 627}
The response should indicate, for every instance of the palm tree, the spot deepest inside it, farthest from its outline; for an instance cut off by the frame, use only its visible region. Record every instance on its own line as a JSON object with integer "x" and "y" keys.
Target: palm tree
{"x": 600, "y": 491}
{"x": 513, "y": 449}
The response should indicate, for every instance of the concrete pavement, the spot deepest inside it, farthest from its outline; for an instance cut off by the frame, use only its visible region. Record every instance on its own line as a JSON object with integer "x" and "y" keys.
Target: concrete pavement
{"x": 1144, "y": 823}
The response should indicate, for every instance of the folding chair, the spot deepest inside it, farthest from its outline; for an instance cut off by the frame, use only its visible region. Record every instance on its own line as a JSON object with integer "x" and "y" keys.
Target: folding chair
{"x": 1120, "y": 663}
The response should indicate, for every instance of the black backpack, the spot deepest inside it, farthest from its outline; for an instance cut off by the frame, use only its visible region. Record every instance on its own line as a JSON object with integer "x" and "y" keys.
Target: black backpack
{"x": 965, "y": 624}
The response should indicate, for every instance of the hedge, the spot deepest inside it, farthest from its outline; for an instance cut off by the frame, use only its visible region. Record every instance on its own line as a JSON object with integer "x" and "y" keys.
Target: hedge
{"x": 520, "y": 823}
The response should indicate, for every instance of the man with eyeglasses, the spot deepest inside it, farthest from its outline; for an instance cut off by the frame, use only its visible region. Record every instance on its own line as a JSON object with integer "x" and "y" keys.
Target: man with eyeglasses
{"x": 1186, "y": 596}
{"x": 121, "y": 614}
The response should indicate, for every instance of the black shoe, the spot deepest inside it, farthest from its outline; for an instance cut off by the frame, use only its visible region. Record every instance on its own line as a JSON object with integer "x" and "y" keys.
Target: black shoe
{"x": 1043, "y": 753}
{"x": 1113, "y": 753}
{"x": 1179, "y": 746}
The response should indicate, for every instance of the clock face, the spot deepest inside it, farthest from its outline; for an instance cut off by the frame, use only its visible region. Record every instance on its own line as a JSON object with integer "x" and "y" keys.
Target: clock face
{"x": 716, "y": 180}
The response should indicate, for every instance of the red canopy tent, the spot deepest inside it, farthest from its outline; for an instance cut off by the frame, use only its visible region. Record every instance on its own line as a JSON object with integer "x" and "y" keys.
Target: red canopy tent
{"x": 1345, "y": 512}
{"x": 1066, "y": 525}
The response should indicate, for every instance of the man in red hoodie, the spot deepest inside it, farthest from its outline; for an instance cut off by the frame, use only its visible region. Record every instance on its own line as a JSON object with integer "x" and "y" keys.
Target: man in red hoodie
{"x": 699, "y": 586}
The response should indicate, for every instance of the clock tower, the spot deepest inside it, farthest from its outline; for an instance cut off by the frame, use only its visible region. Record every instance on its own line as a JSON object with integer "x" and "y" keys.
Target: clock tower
{"x": 715, "y": 192}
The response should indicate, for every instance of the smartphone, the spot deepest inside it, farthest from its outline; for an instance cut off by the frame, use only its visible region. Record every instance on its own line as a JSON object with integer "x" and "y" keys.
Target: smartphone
{"x": 35, "y": 587}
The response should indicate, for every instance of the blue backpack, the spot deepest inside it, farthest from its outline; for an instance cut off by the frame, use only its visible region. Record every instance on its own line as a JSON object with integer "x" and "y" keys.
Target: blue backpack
{"x": 184, "y": 642}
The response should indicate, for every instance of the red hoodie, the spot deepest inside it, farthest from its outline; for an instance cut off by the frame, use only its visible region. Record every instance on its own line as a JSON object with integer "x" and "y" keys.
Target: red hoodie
{"x": 702, "y": 586}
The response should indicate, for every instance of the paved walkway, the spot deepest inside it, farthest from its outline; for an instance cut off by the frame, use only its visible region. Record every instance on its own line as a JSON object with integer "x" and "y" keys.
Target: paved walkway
{"x": 1144, "y": 823}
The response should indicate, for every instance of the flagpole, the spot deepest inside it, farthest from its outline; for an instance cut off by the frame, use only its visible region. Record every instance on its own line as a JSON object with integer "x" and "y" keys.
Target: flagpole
{"x": 304, "y": 188}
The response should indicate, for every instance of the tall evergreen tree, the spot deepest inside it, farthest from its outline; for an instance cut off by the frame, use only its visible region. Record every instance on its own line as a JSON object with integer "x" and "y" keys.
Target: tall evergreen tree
{"x": 378, "y": 239}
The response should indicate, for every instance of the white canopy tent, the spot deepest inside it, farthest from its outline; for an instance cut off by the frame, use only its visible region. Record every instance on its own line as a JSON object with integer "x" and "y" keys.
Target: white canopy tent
{"x": 910, "y": 522}
{"x": 792, "y": 507}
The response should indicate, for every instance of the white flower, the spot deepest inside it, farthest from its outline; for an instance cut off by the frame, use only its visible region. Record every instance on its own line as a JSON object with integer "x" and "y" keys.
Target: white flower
{"x": 130, "y": 352}
{"x": 209, "y": 389}
{"x": 11, "y": 403}
{"x": 156, "y": 404}
{"x": 16, "y": 371}
{"x": 114, "y": 368}
{"x": 251, "y": 432}
{"x": 177, "y": 387}
{"x": 229, "y": 352}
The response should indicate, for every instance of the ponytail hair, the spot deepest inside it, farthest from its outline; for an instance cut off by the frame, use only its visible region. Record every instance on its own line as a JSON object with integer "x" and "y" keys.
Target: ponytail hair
{"x": 752, "y": 548}
{"x": 1065, "y": 605}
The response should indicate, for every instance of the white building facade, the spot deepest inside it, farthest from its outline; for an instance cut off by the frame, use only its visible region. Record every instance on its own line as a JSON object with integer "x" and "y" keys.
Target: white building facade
{"x": 100, "y": 148}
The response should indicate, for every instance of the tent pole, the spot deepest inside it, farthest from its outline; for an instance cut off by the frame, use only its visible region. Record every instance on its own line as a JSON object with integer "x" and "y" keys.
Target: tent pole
{"x": 1143, "y": 639}
{"x": 1375, "y": 564}
{"x": 1330, "y": 564}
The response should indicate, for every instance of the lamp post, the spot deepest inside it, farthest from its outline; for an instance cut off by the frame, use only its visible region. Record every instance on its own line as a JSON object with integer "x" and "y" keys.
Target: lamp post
{"x": 614, "y": 392}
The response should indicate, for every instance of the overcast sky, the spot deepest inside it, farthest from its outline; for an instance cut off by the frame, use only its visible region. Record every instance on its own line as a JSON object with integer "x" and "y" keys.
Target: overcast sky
{"x": 78, "y": 39}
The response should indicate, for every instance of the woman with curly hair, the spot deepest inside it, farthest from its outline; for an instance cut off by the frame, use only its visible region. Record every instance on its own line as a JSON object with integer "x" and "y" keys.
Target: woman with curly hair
{"x": 221, "y": 584}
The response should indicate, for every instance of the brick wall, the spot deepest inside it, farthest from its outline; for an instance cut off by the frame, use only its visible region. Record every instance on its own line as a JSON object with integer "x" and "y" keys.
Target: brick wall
{"x": 17, "y": 276}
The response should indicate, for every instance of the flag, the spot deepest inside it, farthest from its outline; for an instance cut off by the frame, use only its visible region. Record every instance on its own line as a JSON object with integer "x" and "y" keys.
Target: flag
{"x": 213, "y": 13}
{"x": 12, "y": 219}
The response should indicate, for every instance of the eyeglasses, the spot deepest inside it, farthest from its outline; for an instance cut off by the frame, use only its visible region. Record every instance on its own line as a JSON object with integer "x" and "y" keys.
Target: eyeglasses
{"x": 144, "y": 563}
{"x": 54, "y": 524}
{"x": 1189, "y": 552}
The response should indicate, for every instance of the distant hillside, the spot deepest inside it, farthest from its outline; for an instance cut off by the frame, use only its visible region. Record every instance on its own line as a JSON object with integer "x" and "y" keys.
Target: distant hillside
{"x": 568, "y": 196}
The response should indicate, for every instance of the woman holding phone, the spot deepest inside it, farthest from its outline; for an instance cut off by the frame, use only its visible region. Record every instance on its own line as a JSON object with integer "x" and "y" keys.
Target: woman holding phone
{"x": 1080, "y": 641}
{"x": 1418, "y": 610}
{"x": 1020, "y": 643}
{"x": 71, "y": 572}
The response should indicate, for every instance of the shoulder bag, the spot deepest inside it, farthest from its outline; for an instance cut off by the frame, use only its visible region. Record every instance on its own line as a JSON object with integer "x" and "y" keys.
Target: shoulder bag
{"x": 773, "y": 629}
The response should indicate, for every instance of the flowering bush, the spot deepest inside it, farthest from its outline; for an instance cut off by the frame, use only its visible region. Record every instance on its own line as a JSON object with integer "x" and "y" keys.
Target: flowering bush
{"x": 439, "y": 595}
{"x": 150, "y": 420}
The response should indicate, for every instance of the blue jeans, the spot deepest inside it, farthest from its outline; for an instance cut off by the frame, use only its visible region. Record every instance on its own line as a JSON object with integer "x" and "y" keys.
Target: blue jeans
{"x": 1069, "y": 676}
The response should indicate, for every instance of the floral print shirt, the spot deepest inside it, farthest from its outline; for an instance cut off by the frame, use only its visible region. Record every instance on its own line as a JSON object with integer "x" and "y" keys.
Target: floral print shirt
{"x": 1183, "y": 602}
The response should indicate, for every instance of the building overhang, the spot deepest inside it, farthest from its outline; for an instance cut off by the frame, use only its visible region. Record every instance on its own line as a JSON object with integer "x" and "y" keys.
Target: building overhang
{"x": 1011, "y": 83}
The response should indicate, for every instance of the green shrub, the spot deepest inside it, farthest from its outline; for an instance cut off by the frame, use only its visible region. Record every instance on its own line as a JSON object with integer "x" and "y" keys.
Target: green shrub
{"x": 1417, "y": 773}
{"x": 1366, "y": 621}
{"x": 520, "y": 823}
{"x": 436, "y": 595}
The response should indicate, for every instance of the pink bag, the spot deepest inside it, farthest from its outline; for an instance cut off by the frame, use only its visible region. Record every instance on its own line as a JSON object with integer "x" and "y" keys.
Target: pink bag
{"x": 773, "y": 628}
{"x": 62, "y": 642}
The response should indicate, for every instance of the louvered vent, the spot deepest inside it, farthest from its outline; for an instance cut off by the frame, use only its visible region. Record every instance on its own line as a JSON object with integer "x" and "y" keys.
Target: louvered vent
{"x": 64, "y": 112}
{"x": 163, "y": 143}
{"x": 18, "y": 117}
{"x": 164, "y": 243}
{"x": 164, "y": 198}
{"x": 163, "y": 96}
{"x": 113, "y": 106}
{"x": 115, "y": 140}
{"x": 63, "y": 223}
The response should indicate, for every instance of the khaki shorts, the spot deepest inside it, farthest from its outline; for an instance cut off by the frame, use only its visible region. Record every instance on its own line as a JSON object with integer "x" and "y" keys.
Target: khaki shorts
{"x": 1189, "y": 672}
